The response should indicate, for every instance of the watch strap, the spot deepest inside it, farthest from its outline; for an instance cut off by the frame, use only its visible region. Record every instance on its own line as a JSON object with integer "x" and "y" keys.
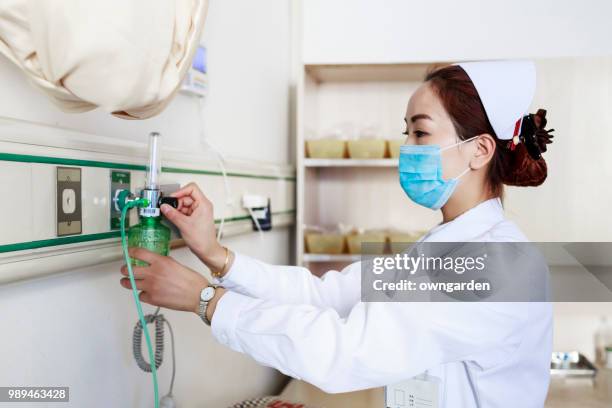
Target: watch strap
{"x": 204, "y": 306}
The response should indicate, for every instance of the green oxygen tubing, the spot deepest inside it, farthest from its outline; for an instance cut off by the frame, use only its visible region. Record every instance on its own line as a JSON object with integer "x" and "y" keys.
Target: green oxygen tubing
{"x": 128, "y": 205}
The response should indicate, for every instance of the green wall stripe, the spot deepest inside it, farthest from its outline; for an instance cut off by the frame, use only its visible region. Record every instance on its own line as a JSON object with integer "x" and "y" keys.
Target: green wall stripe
{"x": 74, "y": 239}
{"x": 25, "y": 158}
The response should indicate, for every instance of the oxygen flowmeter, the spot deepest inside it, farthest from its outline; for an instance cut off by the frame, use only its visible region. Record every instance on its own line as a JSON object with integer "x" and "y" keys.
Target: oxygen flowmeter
{"x": 149, "y": 233}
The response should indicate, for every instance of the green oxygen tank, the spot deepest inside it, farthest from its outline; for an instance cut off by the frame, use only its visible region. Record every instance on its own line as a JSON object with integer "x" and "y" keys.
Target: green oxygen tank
{"x": 150, "y": 233}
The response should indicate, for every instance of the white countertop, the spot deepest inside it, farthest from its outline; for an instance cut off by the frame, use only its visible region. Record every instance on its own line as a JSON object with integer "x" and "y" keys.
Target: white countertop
{"x": 582, "y": 393}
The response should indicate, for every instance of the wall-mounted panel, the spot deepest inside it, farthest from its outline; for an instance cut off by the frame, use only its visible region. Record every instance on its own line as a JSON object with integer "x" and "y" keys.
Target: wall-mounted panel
{"x": 37, "y": 237}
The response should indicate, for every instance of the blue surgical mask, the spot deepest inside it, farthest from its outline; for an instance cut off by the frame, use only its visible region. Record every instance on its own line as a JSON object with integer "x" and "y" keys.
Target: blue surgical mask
{"x": 420, "y": 171}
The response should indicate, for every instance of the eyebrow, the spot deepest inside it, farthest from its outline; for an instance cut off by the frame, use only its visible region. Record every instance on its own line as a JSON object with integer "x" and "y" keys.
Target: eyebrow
{"x": 417, "y": 117}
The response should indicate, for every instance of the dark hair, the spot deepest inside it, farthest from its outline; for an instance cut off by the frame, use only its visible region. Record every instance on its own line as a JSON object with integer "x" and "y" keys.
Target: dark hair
{"x": 462, "y": 103}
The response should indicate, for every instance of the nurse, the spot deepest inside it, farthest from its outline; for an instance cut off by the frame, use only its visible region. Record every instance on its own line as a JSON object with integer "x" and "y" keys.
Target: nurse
{"x": 469, "y": 122}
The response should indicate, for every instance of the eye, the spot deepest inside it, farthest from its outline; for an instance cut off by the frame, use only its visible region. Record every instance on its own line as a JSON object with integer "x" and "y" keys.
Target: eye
{"x": 419, "y": 133}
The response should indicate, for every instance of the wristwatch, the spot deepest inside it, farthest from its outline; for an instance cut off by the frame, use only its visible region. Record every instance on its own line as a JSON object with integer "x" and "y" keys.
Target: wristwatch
{"x": 205, "y": 296}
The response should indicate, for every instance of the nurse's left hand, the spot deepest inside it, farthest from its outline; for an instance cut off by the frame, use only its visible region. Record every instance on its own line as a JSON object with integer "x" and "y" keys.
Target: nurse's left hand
{"x": 165, "y": 282}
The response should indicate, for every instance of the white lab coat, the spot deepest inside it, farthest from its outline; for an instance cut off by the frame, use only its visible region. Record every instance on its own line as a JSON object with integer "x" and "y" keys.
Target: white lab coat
{"x": 316, "y": 329}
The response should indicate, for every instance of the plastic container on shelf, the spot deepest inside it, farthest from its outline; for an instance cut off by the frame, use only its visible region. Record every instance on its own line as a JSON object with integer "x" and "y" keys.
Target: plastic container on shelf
{"x": 331, "y": 146}
{"x": 325, "y": 243}
{"x": 394, "y": 147}
{"x": 368, "y": 145}
{"x": 319, "y": 240}
{"x": 366, "y": 149}
{"x": 376, "y": 237}
{"x": 399, "y": 241}
{"x": 326, "y": 148}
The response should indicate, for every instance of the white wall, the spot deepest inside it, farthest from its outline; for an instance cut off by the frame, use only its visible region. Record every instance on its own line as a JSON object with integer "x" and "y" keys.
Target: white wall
{"x": 575, "y": 325}
{"x": 250, "y": 58}
{"x": 364, "y": 31}
{"x": 75, "y": 329}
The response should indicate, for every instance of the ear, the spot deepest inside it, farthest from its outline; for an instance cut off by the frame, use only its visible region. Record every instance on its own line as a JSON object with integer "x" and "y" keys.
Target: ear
{"x": 485, "y": 149}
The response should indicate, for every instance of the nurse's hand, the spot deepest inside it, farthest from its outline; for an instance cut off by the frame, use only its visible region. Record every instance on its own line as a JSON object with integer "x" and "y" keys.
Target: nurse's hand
{"x": 165, "y": 282}
{"x": 194, "y": 218}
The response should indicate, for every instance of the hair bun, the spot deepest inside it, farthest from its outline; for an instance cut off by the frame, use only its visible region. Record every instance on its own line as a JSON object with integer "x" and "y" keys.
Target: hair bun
{"x": 520, "y": 169}
{"x": 524, "y": 164}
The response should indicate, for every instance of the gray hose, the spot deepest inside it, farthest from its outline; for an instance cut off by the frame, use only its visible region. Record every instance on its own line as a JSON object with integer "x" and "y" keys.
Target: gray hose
{"x": 144, "y": 365}
{"x": 159, "y": 342}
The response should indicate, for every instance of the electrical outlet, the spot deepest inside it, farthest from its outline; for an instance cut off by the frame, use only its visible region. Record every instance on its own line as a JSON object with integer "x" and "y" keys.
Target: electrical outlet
{"x": 119, "y": 180}
{"x": 68, "y": 193}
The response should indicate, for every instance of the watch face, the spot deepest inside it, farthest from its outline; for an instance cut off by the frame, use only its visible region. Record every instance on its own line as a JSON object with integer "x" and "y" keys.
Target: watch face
{"x": 207, "y": 293}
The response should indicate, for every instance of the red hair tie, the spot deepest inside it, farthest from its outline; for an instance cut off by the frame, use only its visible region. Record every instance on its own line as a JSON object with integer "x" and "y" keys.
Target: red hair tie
{"x": 515, "y": 136}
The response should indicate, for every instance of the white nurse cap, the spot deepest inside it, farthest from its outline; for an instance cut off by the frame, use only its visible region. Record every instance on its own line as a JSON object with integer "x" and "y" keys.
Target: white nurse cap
{"x": 506, "y": 89}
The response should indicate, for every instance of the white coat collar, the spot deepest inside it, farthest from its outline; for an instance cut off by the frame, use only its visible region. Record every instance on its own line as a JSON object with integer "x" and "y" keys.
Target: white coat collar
{"x": 469, "y": 225}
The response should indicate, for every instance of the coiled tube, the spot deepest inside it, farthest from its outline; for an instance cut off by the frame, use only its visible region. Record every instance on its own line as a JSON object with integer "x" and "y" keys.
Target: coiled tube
{"x": 144, "y": 365}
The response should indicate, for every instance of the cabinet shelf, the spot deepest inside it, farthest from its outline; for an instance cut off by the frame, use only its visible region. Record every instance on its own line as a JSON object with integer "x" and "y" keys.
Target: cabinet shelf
{"x": 351, "y": 162}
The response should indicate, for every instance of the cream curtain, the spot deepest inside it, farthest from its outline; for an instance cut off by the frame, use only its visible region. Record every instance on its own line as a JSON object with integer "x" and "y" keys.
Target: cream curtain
{"x": 127, "y": 57}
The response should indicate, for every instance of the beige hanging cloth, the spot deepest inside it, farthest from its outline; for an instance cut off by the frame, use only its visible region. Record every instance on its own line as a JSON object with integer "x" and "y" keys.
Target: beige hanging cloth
{"x": 126, "y": 57}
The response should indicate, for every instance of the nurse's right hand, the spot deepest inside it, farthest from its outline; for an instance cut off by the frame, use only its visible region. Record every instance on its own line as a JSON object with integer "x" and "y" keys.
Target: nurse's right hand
{"x": 194, "y": 218}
